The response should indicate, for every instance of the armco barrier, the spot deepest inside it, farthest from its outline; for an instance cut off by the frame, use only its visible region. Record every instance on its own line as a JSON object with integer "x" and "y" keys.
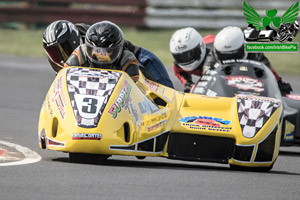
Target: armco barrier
{"x": 208, "y": 14}
{"x": 129, "y": 12}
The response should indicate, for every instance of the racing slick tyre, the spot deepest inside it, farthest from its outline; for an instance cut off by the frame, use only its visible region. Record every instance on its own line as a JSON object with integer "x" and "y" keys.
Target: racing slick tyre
{"x": 141, "y": 157}
{"x": 251, "y": 169}
{"x": 87, "y": 158}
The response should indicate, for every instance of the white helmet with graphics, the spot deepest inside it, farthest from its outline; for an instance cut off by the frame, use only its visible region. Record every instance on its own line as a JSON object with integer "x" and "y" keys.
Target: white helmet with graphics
{"x": 187, "y": 48}
{"x": 229, "y": 44}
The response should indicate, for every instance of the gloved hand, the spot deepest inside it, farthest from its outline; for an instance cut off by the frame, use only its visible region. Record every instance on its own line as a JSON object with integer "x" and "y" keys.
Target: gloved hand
{"x": 188, "y": 86}
{"x": 285, "y": 88}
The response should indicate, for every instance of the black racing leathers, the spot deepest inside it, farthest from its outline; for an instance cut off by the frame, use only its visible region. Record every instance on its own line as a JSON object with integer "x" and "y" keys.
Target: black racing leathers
{"x": 127, "y": 62}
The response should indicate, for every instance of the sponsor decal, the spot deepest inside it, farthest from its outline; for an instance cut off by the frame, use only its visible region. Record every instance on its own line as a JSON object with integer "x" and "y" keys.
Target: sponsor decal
{"x": 212, "y": 72}
{"x": 293, "y": 96}
{"x": 245, "y": 83}
{"x": 260, "y": 99}
{"x": 155, "y": 87}
{"x": 134, "y": 113}
{"x": 124, "y": 101}
{"x": 211, "y": 93}
{"x": 206, "y": 78}
{"x": 206, "y": 81}
{"x": 210, "y": 97}
{"x": 59, "y": 97}
{"x": 230, "y": 61}
{"x": 289, "y": 131}
{"x": 202, "y": 83}
{"x": 51, "y": 142}
{"x": 248, "y": 93}
{"x": 153, "y": 120}
{"x": 207, "y": 128}
{"x": 180, "y": 47}
{"x": 243, "y": 68}
{"x": 86, "y": 136}
{"x": 147, "y": 106}
{"x": 199, "y": 90}
{"x": 94, "y": 75}
{"x": 156, "y": 126}
{"x": 49, "y": 106}
{"x": 206, "y": 123}
{"x": 193, "y": 118}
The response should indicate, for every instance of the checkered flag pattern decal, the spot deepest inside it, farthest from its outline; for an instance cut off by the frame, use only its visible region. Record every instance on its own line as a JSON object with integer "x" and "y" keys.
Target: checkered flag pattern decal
{"x": 254, "y": 112}
{"x": 92, "y": 83}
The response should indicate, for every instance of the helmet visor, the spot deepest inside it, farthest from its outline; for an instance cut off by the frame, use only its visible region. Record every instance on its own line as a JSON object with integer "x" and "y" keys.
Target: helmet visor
{"x": 58, "y": 53}
{"x": 103, "y": 56}
{"x": 188, "y": 57}
{"x": 228, "y": 55}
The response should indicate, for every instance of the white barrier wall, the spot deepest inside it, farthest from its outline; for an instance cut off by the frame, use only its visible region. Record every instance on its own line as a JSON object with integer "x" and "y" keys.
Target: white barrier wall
{"x": 207, "y": 14}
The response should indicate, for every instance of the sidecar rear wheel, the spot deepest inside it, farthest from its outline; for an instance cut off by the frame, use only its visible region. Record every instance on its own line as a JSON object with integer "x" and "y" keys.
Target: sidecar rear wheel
{"x": 87, "y": 158}
{"x": 251, "y": 169}
{"x": 141, "y": 157}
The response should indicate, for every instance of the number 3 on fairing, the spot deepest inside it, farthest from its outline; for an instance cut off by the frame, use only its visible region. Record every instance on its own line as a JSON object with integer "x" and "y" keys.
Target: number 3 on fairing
{"x": 88, "y": 105}
{"x": 91, "y": 106}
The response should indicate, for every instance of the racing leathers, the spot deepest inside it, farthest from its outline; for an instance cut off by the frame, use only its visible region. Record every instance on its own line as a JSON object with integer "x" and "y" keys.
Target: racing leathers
{"x": 150, "y": 64}
{"x": 185, "y": 77}
{"x": 127, "y": 62}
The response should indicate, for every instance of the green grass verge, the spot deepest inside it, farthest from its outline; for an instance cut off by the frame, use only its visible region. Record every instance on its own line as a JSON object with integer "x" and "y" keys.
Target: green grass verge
{"x": 29, "y": 43}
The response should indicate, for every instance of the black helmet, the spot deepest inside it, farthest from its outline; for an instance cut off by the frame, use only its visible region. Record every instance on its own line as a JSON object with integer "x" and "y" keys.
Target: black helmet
{"x": 104, "y": 42}
{"x": 60, "y": 39}
{"x": 82, "y": 28}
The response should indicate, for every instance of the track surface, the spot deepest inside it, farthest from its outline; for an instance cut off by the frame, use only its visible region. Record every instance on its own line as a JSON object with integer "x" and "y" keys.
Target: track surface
{"x": 23, "y": 85}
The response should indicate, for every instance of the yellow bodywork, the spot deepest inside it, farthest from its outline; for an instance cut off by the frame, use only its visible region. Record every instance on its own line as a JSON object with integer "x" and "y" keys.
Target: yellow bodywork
{"x": 137, "y": 115}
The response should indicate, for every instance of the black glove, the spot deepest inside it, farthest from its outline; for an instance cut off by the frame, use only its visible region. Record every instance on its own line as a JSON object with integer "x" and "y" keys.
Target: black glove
{"x": 285, "y": 88}
{"x": 188, "y": 86}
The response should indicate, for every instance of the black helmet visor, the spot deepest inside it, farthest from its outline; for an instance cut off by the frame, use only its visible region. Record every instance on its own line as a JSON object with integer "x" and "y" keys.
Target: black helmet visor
{"x": 59, "y": 53}
{"x": 188, "y": 57}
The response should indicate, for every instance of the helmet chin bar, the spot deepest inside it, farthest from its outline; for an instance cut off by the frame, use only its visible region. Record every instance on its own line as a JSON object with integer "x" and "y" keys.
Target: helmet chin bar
{"x": 98, "y": 65}
{"x": 192, "y": 66}
{"x": 233, "y": 54}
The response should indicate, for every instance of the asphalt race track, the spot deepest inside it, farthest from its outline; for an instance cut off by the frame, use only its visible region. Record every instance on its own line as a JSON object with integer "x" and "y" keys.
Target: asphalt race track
{"x": 23, "y": 85}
